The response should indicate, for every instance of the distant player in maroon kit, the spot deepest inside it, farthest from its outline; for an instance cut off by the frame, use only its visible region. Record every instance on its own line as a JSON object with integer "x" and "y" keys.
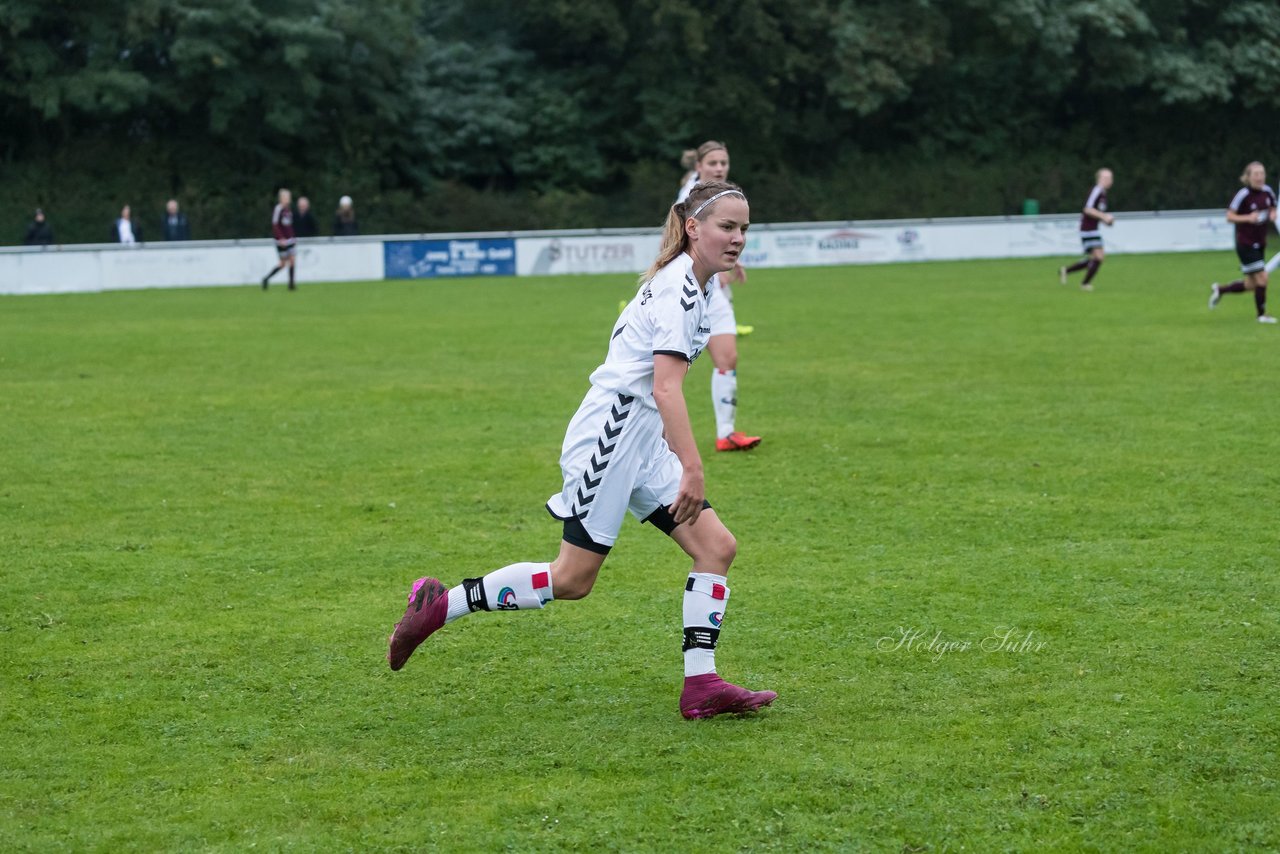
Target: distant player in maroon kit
{"x": 286, "y": 243}
{"x": 1252, "y": 210}
{"x": 1095, "y": 212}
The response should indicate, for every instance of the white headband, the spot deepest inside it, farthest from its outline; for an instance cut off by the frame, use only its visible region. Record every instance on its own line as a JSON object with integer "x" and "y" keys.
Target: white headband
{"x": 699, "y": 208}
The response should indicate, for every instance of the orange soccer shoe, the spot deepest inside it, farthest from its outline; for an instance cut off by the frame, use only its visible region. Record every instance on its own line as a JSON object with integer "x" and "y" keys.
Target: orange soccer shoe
{"x": 737, "y": 442}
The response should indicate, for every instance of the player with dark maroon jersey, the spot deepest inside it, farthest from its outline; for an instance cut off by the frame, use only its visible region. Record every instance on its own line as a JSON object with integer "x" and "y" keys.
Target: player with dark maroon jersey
{"x": 1252, "y": 210}
{"x": 286, "y": 242}
{"x": 1094, "y": 212}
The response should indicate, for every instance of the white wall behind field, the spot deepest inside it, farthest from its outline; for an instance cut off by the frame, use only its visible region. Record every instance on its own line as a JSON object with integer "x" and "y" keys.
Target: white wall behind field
{"x": 108, "y": 267}
{"x": 68, "y": 269}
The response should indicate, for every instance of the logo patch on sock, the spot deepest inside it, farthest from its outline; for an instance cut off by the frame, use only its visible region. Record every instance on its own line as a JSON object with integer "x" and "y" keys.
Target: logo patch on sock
{"x": 507, "y": 599}
{"x": 695, "y": 638}
{"x": 540, "y": 580}
{"x": 716, "y": 617}
{"x": 717, "y": 591}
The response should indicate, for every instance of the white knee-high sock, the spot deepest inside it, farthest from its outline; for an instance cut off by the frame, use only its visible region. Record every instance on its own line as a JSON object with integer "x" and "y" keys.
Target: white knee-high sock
{"x": 518, "y": 587}
{"x": 705, "y": 597}
{"x": 724, "y": 397}
{"x": 1273, "y": 263}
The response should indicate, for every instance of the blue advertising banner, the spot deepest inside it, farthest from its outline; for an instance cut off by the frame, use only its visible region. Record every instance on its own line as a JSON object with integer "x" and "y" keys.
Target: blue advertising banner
{"x": 421, "y": 259}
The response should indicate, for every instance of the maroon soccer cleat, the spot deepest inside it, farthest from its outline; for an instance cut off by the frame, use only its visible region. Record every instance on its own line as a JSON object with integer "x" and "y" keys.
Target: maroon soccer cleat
{"x": 428, "y": 605}
{"x": 708, "y": 695}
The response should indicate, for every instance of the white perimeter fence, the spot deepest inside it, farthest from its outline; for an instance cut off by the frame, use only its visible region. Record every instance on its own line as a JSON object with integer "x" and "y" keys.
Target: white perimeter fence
{"x": 72, "y": 269}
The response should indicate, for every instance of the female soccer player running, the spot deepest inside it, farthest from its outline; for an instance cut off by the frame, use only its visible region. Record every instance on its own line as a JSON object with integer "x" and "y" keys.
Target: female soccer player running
{"x": 630, "y": 447}
{"x": 713, "y": 165}
{"x": 1252, "y": 210}
{"x": 1093, "y": 213}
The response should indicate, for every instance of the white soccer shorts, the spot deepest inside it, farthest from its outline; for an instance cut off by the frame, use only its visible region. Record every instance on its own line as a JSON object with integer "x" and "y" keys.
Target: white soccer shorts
{"x": 614, "y": 459}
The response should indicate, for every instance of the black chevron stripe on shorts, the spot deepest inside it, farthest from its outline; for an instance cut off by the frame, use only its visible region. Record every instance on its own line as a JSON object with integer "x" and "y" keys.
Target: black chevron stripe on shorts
{"x": 593, "y": 474}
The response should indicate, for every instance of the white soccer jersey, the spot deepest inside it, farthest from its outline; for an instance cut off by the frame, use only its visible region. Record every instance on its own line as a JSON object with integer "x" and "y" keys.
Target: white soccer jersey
{"x": 667, "y": 315}
{"x": 687, "y": 188}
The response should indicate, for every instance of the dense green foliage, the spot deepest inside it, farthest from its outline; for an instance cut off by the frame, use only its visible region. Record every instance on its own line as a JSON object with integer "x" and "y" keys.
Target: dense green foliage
{"x": 214, "y": 502}
{"x": 464, "y": 114}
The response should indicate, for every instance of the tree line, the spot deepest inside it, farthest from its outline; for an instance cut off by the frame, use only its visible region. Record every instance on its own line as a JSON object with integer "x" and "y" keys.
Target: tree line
{"x": 441, "y": 115}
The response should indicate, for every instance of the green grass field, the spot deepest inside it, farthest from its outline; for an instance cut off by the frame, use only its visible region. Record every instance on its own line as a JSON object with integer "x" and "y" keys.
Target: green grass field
{"x": 212, "y": 503}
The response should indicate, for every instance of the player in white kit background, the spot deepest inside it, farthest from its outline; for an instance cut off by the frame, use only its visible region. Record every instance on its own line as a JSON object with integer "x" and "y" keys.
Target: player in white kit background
{"x": 712, "y": 164}
{"x": 630, "y": 446}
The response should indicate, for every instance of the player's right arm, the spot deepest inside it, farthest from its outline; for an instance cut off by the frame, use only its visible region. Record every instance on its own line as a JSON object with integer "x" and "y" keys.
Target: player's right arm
{"x": 668, "y": 394}
{"x": 1090, "y": 211}
{"x": 1250, "y": 218}
{"x": 1101, "y": 216}
{"x": 1096, "y": 213}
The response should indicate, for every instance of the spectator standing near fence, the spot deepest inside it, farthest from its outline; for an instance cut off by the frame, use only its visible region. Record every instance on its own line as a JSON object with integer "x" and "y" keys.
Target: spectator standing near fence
{"x": 39, "y": 232}
{"x": 344, "y": 219}
{"x": 124, "y": 230}
{"x": 286, "y": 241}
{"x": 304, "y": 221}
{"x": 175, "y": 225}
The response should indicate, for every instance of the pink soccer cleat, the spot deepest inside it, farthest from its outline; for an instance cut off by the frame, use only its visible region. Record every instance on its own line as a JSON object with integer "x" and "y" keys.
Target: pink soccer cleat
{"x": 708, "y": 695}
{"x": 428, "y": 605}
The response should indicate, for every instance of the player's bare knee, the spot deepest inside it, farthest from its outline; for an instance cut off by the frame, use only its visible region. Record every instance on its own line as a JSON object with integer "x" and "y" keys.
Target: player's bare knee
{"x": 721, "y": 549}
{"x": 724, "y": 352}
{"x": 725, "y": 360}
{"x": 729, "y": 549}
